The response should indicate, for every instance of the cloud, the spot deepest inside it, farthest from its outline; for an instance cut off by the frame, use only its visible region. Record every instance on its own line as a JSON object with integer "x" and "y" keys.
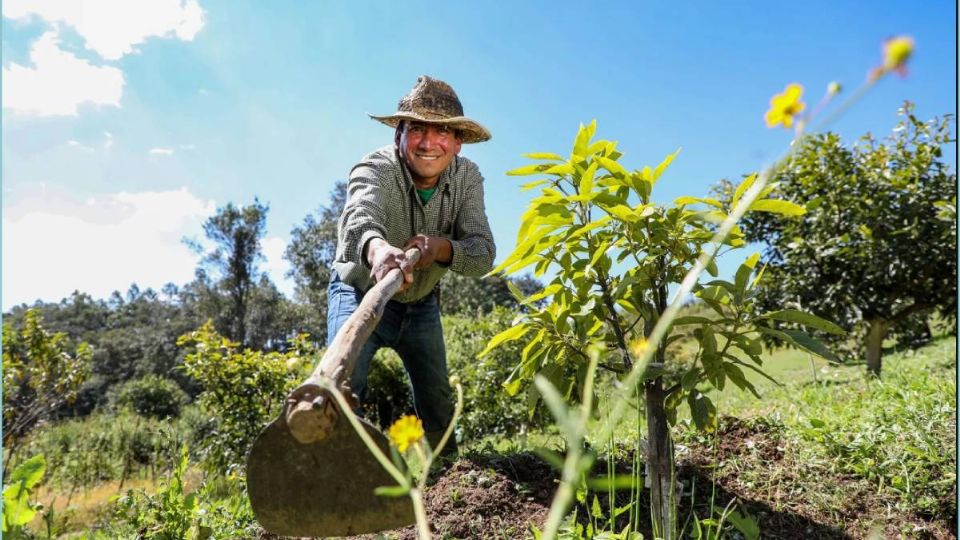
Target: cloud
{"x": 59, "y": 82}
{"x": 275, "y": 265}
{"x": 54, "y": 244}
{"x": 113, "y": 28}
{"x": 161, "y": 151}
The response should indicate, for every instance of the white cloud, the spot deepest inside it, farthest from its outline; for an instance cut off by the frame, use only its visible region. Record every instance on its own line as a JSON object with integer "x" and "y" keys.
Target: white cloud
{"x": 59, "y": 82}
{"x": 107, "y": 139}
{"x": 53, "y": 245}
{"x": 275, "y": 265}
{"x": 161, "y": 151}
{"x": 113, "y": 28}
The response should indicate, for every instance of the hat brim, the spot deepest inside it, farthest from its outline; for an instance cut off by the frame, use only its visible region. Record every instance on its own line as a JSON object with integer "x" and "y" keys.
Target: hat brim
{"x": 471, "y": 130}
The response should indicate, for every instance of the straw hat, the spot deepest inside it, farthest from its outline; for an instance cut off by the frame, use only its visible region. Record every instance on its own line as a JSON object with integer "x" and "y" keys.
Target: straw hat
{"x": 434, "y": 102}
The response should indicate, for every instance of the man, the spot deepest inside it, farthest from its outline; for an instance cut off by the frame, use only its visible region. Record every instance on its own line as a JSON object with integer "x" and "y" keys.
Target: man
{"x": 416, "y": 193}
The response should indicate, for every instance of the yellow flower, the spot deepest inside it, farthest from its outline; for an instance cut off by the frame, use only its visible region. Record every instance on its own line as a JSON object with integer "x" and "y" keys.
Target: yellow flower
{"x": 896, "y": 52}
{"x": 405, "y": 431}
{"x": 784, "y": 107}
{"x": 639, "y": 347}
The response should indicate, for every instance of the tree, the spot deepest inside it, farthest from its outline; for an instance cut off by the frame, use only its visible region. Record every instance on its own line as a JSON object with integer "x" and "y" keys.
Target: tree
{"x": 311, "y": 252}
{"x": 39, "y": 375}
{"x": 877, "y": 249}
{"x": 616, "y": 255}
{"x": 235, "y": 233}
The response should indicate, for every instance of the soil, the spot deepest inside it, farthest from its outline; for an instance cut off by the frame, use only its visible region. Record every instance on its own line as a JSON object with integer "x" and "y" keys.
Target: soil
{"x": 501, "y": 496}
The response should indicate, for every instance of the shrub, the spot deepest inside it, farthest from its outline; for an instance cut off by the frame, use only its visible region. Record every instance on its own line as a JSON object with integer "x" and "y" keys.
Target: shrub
{"x": 487, "y": 410}
{"x": 152, "y": 396}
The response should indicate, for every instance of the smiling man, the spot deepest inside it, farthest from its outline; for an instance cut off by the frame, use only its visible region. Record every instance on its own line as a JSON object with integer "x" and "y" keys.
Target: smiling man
{"x": 420, "y": 193}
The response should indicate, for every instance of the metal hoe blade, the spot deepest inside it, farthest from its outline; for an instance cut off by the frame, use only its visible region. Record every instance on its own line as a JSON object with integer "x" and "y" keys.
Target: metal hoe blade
{"x": 323, "y": 488}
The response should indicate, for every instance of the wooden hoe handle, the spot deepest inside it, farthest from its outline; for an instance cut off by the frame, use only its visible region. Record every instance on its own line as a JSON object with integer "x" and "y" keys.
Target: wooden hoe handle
{"x": 310, "y": 411}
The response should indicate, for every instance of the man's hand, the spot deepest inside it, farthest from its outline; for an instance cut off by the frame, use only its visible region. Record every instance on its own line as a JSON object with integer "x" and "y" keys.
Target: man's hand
{"x": 432, "y": 249}
{"x": 382, "y": 257}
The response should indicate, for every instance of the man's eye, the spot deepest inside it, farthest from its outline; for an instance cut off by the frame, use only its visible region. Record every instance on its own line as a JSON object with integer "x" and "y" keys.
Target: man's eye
{"x": 443, "y": 130}
{"x": 416, "y": 129}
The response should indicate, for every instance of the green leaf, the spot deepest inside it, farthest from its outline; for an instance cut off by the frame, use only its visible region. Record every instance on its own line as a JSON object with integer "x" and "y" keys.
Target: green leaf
{"x": 742, "y": 188}
{"x": 510, "y": 334}
{"x": 586, "y": 181}
{"x": 777, "y": 206}
{"x": 685, "y": 200}
{"x": 806, "y": 319}
{"x": 544, "y": 155}
{"x": 527, "y": 170}
{"x": 736, "y": 375}
{"x": 692, "y": 319}
{"x": 615, "y": 482}
{"x": 746, "y": 524}
{"x": 555, "y": 403}
{"x": 663, "y": 165}
{"x": 801, "y": 340}
{"x": 743, "y": 275}
{"x": 595, "y": 509}
{"x": 30, "y": 472}
{"x": 530, "y": 185}
{"x": 391, "y": 491}
{"x": 702, "y": 411}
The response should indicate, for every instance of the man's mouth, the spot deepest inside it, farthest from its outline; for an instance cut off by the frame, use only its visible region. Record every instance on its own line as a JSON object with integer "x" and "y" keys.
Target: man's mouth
{"x": 427, "y": 158}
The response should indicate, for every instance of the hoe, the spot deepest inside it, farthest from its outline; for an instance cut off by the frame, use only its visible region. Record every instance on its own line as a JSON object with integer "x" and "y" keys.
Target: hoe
{"x": 308, "y": 472}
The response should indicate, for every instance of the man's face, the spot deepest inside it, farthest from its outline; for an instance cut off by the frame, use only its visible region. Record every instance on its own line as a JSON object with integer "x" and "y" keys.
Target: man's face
{"x": 427, "y": 149}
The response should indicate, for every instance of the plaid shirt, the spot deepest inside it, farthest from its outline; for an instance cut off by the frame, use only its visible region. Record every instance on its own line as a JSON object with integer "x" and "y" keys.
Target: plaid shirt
{"x": 382, "y": 202}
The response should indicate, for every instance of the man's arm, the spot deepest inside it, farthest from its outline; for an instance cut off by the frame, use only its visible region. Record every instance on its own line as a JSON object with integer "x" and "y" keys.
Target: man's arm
{"x": 472, "y": 247}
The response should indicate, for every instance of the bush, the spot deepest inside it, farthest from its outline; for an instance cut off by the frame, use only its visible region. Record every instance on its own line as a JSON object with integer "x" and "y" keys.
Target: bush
{"x": 152, "y": 396}
{"x": 487, "y": 409}
{"x": 388, "y": 390}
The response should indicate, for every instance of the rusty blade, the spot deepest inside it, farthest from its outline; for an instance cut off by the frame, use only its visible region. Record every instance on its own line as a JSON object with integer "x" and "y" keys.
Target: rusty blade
{"x": 324, "y": 488}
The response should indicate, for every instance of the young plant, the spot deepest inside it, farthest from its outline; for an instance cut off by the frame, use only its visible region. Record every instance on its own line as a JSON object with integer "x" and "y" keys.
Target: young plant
{"x": 18, "y": 510}
{"x": 406, "y": 437}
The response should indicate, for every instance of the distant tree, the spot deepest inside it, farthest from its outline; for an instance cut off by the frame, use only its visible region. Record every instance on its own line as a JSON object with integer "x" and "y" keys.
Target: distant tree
{"x": 876, "y": 251}
{"x": 468, "y": 296}
{"x": 40, "y": 374}
{"x": 311, "y": 251}
{"x": 235, "y": 233}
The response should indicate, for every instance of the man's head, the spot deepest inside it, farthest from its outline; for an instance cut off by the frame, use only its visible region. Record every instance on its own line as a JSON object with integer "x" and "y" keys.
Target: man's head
{"x": 427, "y": 149}
{"x": 430, "y": 127}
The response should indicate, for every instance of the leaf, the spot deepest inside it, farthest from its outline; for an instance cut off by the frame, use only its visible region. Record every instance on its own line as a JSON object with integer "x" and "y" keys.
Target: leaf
{"x": 391, "y": 491}
{"x": 510, "y": 334}
{"x": 663, "y": 165}
{"x": 685, "y": 200}
{"x": 702, "y": 411}
{"x": 746, "y": 524}
{"x": 736, "y": 375}
{"x": 30, "y": 472}
{"x": 595, "y": 509}
{"x": 544, "y": 155}
{"x": 743, "y": 275}
{"x": 806, "y": 319}
{"x": 777, "y": 206}
{"x": 530, "y": 185}
{"x": 555, "y": 403}
{"x": 586, "y": 181}
{"x": 606, "y": 483}
{"x": 584, "y": 134}
{"x": 801, "y": 340}
{"x": 742, "y": 188}
{"x": 515, "y": 291}
{"x": 692, "y": 319}
{"x": 616, "y": 169}
{"x": 527, "y": 170}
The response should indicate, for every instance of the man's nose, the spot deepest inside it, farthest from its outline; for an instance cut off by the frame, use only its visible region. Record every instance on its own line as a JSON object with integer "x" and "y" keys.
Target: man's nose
{"x": 428, "y": 140}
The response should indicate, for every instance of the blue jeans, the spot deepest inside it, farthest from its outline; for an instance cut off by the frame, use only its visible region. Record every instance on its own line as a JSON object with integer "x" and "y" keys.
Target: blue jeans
{"x": 414, "y": 331}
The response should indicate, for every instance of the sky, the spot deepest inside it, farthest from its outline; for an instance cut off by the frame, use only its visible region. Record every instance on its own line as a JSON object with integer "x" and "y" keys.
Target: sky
{"x": 126, "y": 124}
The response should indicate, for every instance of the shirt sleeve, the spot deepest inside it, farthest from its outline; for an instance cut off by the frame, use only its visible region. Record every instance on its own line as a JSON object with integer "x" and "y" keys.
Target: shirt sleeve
{"x": 363, "y": 214}
{"x": 472, "y": 242}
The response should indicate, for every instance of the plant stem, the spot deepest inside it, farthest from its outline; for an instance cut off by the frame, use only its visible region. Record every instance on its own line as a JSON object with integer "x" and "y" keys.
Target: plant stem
{"x": 423, "y": 527}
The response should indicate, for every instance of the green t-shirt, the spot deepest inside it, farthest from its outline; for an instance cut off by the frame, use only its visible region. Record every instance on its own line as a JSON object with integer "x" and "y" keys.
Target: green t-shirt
{"x": 426, "y": 194}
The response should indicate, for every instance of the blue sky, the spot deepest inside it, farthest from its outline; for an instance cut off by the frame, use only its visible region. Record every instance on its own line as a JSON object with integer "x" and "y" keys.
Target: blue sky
{"x": 126, "y": 124}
